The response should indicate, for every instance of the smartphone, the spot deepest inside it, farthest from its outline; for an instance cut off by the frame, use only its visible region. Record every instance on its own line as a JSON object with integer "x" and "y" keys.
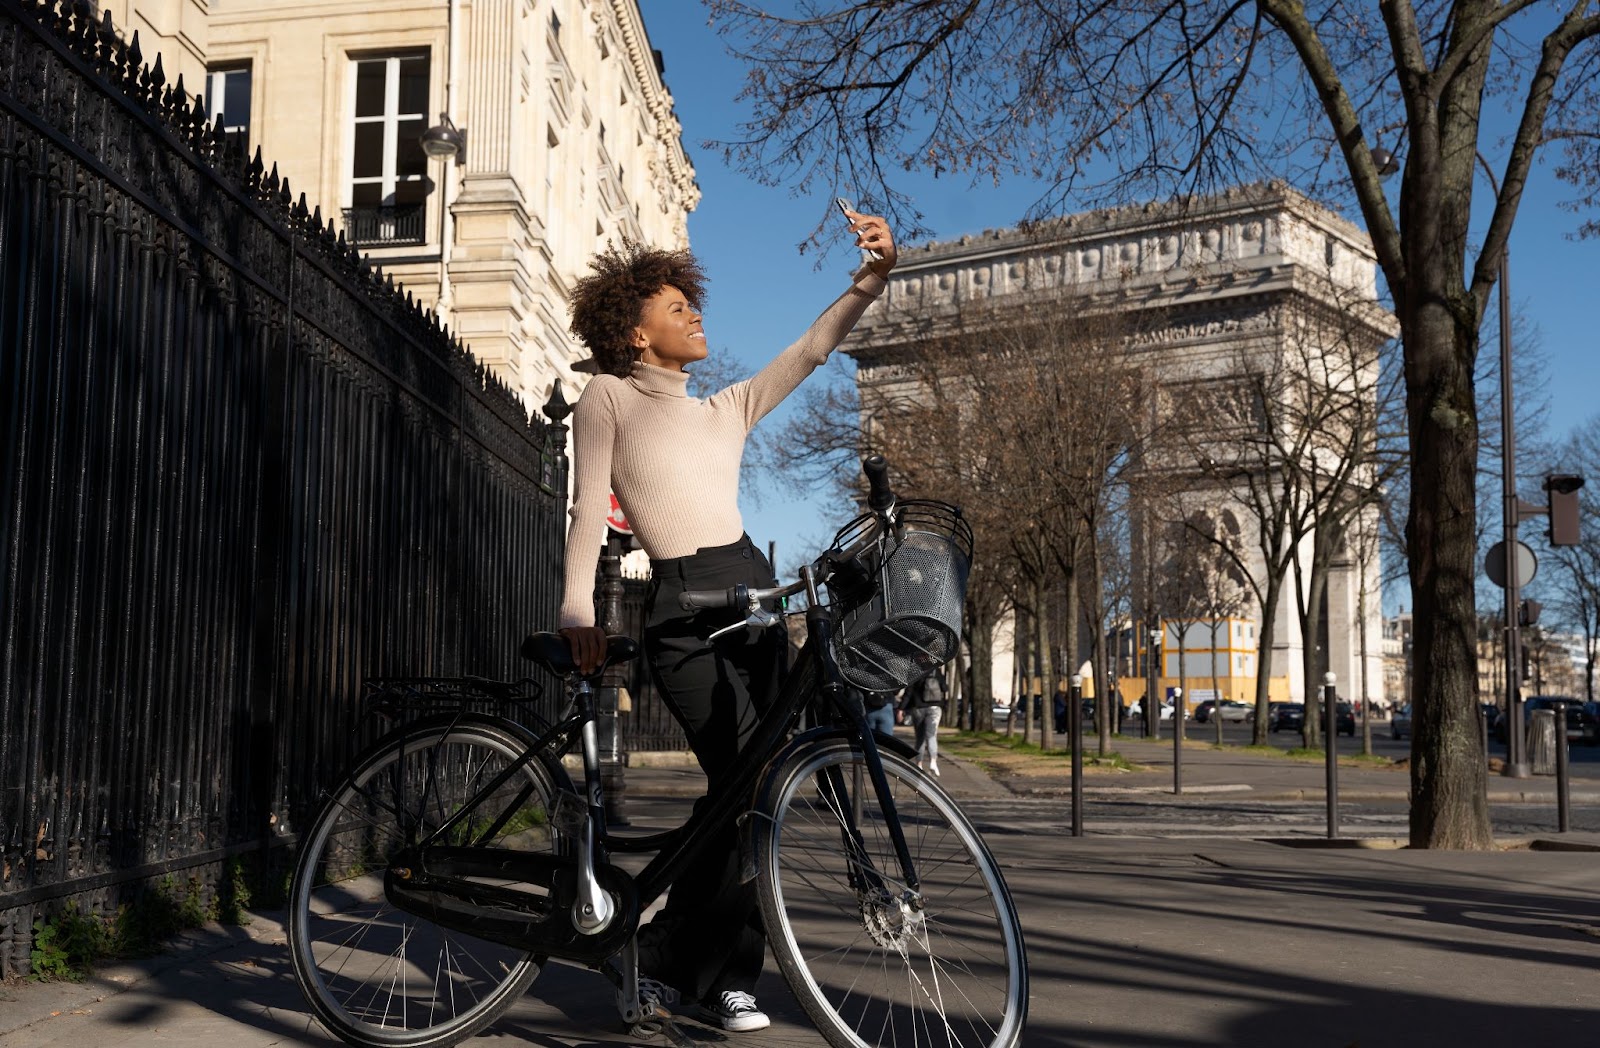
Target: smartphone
{"x": 845, "y": 207}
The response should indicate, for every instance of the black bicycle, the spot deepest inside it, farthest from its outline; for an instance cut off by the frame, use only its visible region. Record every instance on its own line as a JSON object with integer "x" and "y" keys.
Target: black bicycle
{"x": 456, "y": 857}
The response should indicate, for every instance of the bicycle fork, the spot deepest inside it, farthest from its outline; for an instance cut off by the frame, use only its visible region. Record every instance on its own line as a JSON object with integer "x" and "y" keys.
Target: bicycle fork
{"x": 864, "y": 876}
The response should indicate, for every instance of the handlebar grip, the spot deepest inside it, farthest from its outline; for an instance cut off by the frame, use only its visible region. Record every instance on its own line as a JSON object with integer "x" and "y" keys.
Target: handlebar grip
{"x": 701, "y": 600}
{"x": 879, "y": 495}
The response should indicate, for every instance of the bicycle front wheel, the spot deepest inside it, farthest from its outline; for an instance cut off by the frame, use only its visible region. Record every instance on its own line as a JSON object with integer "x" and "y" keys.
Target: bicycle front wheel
{"x": 871, "y": 962}
{"x": 378, "y": 975}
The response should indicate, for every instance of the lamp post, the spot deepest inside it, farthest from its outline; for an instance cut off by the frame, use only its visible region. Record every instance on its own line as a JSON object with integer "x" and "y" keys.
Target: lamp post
{"x": 1075, "y": 729}
{"x": 446, "y": 142}
{"x": 1516, "y": 765}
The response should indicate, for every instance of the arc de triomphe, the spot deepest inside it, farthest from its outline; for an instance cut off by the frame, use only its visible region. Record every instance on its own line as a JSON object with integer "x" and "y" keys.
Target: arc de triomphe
{"x": 1217, "y": 282}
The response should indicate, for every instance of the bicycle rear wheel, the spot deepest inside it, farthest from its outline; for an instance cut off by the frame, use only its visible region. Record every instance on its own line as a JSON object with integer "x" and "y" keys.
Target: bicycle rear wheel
{"x": 869, "y": 967}
{"x": 378, "y": 975}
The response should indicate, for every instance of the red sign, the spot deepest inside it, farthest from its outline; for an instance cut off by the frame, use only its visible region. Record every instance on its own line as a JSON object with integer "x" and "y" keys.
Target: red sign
{"x": 615, "y": 520}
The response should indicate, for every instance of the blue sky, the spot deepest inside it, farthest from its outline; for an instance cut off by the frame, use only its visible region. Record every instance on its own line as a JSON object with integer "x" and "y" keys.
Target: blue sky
{"x": 764, "y": 292}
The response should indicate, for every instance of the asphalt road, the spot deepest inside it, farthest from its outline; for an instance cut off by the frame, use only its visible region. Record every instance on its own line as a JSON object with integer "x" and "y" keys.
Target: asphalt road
{"x": 1585, "y": 758}
{"x": 1229, "y": 816}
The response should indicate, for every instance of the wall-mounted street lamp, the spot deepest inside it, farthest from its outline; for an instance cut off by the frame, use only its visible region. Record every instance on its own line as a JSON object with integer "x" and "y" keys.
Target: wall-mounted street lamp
{"x": 445, "y": 140}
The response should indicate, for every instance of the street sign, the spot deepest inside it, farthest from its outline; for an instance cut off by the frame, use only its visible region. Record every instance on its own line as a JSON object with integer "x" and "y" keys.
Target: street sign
{"x": 615, "y": 520}
{"x": 1494, "y": 564}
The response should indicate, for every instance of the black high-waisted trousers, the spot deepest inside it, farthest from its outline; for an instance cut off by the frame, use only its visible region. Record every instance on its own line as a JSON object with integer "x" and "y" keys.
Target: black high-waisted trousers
{"x": 708, "y": 937}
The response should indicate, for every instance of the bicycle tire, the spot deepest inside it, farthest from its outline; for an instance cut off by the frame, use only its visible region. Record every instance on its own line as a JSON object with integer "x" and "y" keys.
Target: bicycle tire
{"x": 866, "y": 970}
{"x": 362, "y": 963}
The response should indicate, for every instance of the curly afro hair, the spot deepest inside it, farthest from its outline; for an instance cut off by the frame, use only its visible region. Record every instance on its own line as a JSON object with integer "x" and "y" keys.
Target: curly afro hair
{"x": 608, "y": 303}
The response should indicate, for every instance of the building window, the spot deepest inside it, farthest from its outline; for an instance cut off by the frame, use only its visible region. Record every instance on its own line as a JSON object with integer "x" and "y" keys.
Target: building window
{"x": 388, "y": 169}
{"x": 228, "y": 99}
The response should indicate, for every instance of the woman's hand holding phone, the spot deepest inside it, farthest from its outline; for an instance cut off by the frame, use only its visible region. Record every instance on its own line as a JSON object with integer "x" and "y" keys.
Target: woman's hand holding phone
{"x": 872, "y": 236}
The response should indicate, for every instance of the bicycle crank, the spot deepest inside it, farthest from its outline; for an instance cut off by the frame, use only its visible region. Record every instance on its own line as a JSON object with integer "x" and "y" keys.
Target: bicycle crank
{"x": 519, "y": 899}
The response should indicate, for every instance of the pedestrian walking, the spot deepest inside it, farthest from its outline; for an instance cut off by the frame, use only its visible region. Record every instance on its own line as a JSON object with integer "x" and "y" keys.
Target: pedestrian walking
{"x": 924, "y": 704}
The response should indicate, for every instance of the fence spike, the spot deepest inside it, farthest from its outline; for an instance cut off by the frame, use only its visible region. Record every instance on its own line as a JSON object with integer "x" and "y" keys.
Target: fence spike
{"x": 158, "y": 75}
{"x": 82, "y": 19}
{"x": 110, "y": 46}
{"x": 135, "y": 56}
{"x": 300, "y": 210}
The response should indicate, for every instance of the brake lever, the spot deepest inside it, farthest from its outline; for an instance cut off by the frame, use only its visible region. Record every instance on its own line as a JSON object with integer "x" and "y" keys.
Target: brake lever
{"x": 757, "y": 618}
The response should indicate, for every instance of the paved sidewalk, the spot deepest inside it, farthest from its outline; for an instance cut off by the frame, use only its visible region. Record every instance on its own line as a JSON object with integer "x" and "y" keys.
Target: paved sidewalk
{"x": 1132, "y": 943}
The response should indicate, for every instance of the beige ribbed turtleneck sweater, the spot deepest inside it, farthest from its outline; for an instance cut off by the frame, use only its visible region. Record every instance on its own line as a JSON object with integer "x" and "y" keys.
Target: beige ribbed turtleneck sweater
{"x": 672, "y": 459}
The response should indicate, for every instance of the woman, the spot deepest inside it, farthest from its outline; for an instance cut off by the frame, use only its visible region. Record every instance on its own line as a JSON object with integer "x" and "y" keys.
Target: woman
{"x": 673, "y": 462}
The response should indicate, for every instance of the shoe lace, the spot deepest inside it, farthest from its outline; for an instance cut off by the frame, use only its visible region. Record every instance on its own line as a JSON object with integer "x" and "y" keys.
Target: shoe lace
{"x": 738, "y": 1001}
{"x": 656, "y": 989}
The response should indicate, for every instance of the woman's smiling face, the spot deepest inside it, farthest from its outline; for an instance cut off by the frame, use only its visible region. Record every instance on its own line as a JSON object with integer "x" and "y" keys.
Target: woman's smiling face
{"x": 669, "y": 334}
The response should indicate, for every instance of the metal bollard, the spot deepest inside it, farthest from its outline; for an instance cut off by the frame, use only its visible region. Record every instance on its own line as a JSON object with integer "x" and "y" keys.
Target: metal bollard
{"x": 1177, "y": 740}
{"x": 1563, "y": 807}
{"x": 1330, "y": 743}
{"x": 1075, "y": 729}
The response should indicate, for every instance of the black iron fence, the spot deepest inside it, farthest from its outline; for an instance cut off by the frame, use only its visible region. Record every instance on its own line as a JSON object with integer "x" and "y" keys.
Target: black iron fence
{"x": 239, "y": 472}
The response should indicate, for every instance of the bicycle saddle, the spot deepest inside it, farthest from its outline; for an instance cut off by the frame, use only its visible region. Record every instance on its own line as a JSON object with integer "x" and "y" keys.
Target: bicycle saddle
{"x": 550, "y": 650}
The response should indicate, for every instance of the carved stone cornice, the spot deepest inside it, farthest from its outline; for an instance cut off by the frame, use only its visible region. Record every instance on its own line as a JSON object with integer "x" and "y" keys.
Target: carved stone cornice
{"x": 657, "y": 99}
{"x": 1193, "y": 256}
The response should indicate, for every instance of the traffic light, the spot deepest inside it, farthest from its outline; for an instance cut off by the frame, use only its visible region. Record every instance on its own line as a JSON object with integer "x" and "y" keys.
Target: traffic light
{"x": 1562, "y": 491}
{"x": 1528, "y": 613}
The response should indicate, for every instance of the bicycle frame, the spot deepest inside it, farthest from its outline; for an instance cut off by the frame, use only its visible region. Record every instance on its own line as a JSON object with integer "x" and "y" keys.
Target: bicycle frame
{"x": 675, "y": 848}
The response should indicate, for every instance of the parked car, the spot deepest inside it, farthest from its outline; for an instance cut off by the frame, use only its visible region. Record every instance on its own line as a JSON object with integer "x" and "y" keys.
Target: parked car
{"x": 1234, "y": 710}
{"x": 1286, "y": 716}
{"x": 1582, "y": 724}
{"x": 1400, "y": 723}
{"x": 1137, "y": 709}
{"x": 1344, "y": 719}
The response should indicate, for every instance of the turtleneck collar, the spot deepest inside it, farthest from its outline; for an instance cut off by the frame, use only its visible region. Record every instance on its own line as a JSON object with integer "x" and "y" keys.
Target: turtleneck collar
{"x": 651, "y": 379}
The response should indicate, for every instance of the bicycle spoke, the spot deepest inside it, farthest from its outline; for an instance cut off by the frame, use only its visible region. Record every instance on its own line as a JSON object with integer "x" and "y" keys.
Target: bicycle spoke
{"x": 369, "y": 967}
{"x": 940, "y": 967}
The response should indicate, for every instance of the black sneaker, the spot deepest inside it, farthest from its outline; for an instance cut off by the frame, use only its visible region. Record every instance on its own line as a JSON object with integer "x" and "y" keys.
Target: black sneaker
{"x": 653, "y": 993}
{"x": 735, "y": 1011}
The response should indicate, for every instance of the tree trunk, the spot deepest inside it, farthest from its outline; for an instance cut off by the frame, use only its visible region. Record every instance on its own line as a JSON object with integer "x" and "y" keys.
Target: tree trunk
{"x": 1310, "y": 663}
{"x": 1047, "y": 692}
{"x": 1448, "y": 808}
{"x": 1264, "y": 640}
{"x": 980, "y": 667}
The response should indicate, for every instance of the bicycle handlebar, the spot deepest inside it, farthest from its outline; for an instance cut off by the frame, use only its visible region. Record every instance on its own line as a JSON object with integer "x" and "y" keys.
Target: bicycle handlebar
{"x": 879, "y": 495}
{"x": 701, "y": 600}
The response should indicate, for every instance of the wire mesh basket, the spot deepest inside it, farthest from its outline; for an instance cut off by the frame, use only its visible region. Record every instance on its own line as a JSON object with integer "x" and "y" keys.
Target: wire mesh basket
{"x": 900, "y": 609}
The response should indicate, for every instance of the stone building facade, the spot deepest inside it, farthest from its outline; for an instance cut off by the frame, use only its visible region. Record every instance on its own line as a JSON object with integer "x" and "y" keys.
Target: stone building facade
{"x": 1214, "y": 285}
{"x": 570, "y": 142}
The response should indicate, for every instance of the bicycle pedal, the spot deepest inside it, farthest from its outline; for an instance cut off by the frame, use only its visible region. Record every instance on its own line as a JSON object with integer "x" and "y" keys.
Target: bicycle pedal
{"x": 662, "y": 1024}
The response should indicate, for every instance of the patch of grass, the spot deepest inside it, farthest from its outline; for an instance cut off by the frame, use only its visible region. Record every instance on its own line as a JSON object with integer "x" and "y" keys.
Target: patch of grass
{"x": 996, "y": 751}
{"x": 1308, "y": 756}
{"x": 68, "y": 945}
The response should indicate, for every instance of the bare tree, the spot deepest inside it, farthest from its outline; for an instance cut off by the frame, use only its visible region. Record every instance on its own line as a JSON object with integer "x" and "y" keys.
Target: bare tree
{"x": 1119, "y": 100}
